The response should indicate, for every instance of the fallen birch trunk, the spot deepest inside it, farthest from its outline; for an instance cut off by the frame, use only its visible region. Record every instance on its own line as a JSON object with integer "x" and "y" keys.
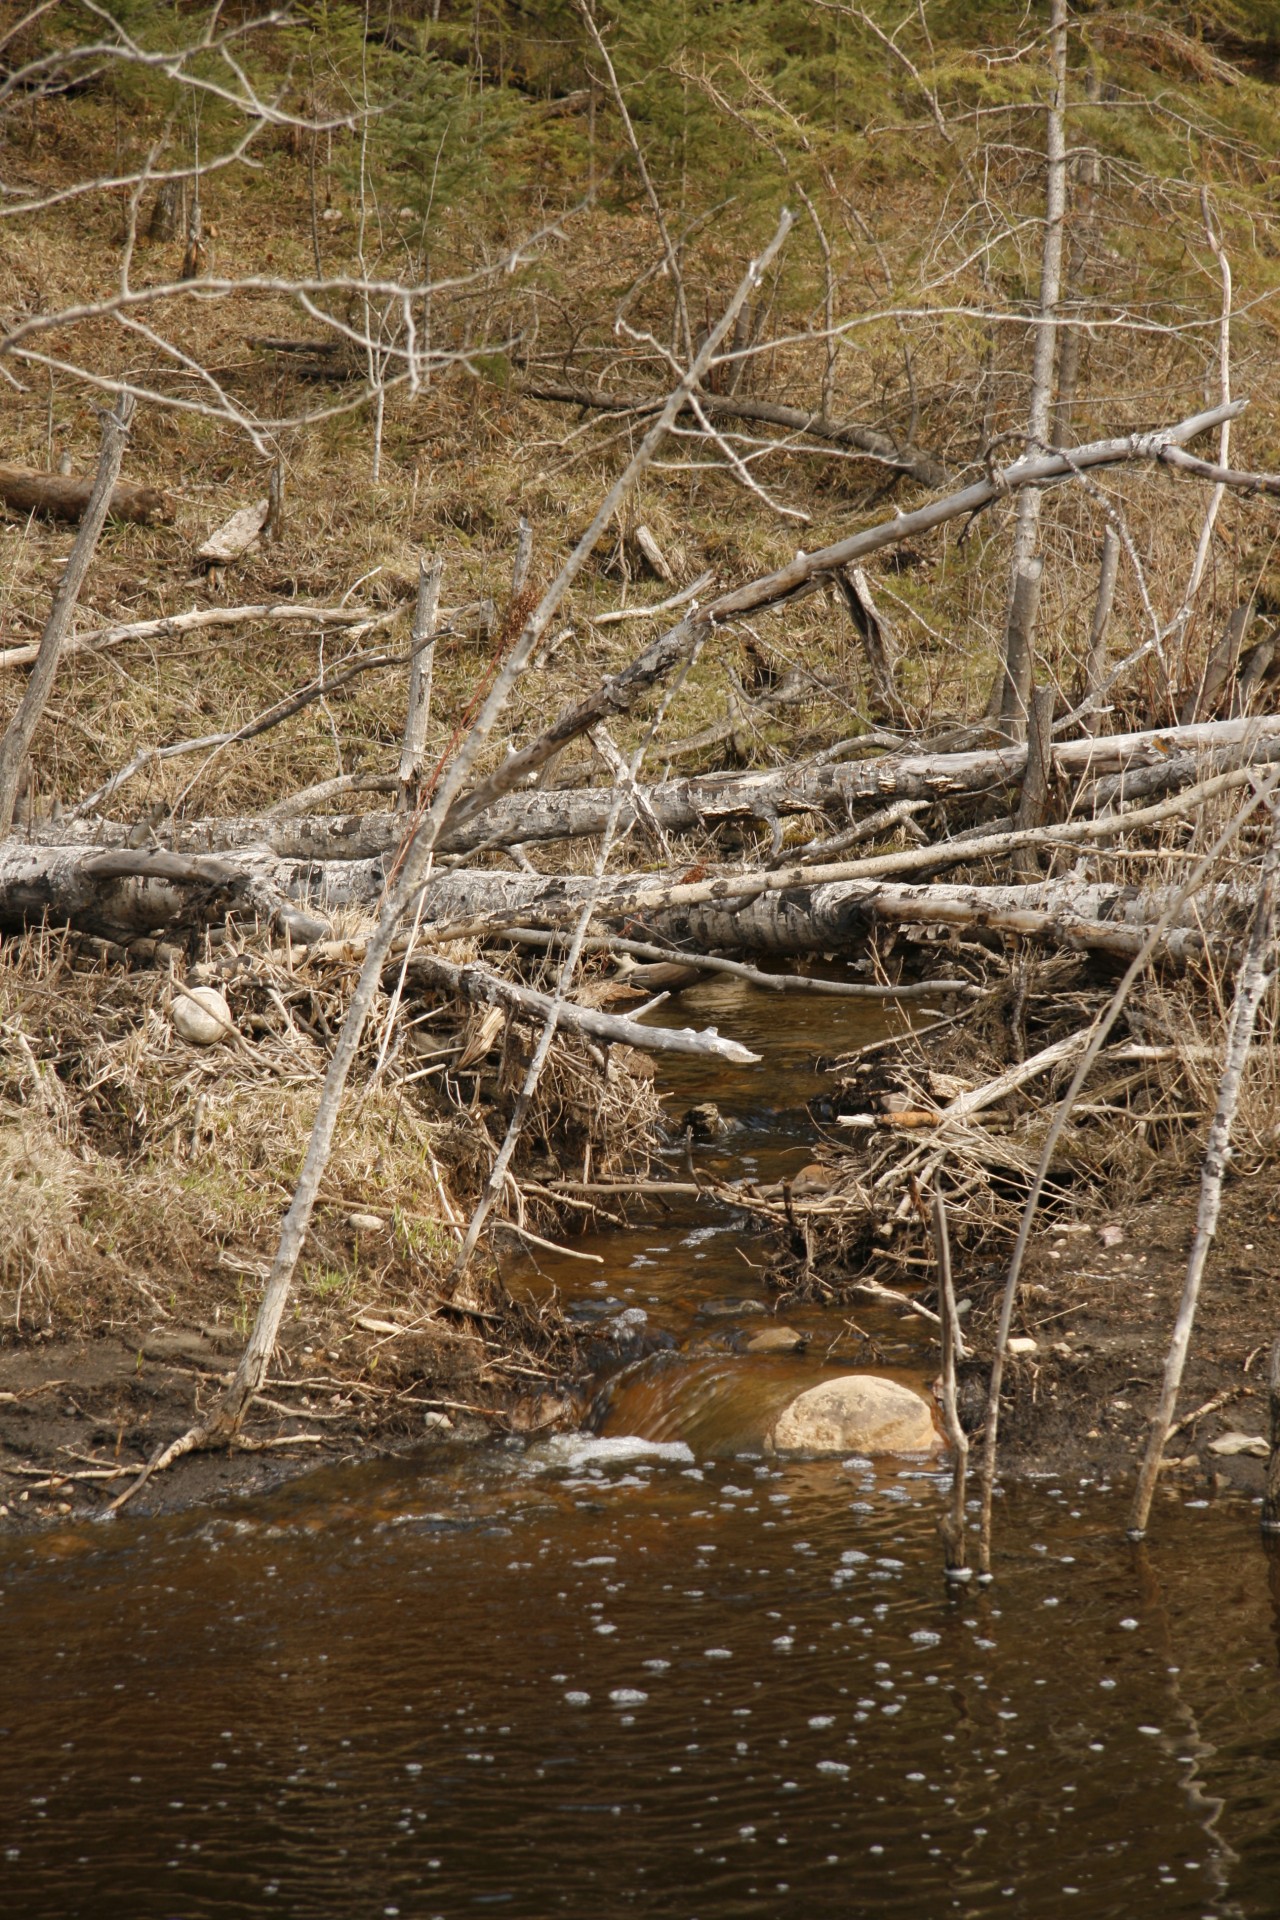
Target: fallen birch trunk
{"x": 127, "y": 893}
{"x": 681, "y": 806}
{"x": 804, "y": 575}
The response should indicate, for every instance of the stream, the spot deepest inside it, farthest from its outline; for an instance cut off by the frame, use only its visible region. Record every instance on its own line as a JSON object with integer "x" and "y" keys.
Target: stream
{"x": 650, "y": 1668}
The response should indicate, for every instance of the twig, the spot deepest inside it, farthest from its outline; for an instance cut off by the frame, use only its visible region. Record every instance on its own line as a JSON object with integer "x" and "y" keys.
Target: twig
{"x": 552, "y": 1246}
{"x": 714, "y": 963}
{"x": 200, "y": 620}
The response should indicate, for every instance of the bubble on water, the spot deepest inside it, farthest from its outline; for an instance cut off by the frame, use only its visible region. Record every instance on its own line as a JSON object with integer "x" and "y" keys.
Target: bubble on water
{"x": 1129, "y": 1624}
{"x": 657, "y": 1666}
{"x": 857, "y": 1463}
{"x": 894, "y": 1565}
{"x": 718, "y": 1653}
{"x": 833, "y": 1766}
{"x": 822, "y": 1720}
{"x": 925, "y": 1637}
{"x": 603, "y": 1626}
{"x": 576, "y": 1699}
{"x": 628, "y": 1697}
{"x": 851, "y": 1557}
{"x": 785, "y": 1640}
{"x": 1107, "y": 1683}
{"x": 1151, "y": 1732}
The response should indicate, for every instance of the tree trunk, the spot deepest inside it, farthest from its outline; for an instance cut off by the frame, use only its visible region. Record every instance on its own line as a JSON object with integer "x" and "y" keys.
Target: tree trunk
{"x": 1095, "y": 667}
{"x": 1027, "y": 565}
{"x": 1271, "y": 1497}
{"x": 20, "y": 732}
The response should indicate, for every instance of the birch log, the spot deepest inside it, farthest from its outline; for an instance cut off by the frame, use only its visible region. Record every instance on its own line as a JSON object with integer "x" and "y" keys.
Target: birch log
{"x": 128, "y": 893}
{"x": 1138, "y": 764}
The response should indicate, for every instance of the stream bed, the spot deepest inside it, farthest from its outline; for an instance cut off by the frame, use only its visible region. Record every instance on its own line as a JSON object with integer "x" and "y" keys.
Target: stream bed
{"x": 650, "y": 1668}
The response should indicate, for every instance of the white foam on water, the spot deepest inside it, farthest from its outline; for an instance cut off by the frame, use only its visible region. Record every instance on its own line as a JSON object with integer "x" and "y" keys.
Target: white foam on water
{"x": 577, "y": 1450}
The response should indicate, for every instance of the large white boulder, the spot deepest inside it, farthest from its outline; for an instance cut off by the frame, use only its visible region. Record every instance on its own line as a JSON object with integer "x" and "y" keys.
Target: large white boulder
{"x": 856, "y": 1413}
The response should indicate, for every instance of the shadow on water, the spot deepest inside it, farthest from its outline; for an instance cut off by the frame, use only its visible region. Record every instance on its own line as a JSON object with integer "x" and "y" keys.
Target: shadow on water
{"x": 650, "y": 1670}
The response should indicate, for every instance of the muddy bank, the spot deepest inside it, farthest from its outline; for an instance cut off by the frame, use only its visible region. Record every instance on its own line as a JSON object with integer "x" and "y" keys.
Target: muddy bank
{"x": 80, "y": 1417}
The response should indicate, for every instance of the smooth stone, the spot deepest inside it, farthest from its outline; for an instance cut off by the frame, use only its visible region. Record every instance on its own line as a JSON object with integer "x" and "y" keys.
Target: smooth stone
{"x": 857, "y": 1413}
{"x": 202, "y": 1016}
{"x": 775, "y": 1340}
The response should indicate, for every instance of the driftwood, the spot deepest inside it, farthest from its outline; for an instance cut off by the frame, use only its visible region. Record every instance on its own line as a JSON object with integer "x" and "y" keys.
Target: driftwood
{"x": 64, "y": 497}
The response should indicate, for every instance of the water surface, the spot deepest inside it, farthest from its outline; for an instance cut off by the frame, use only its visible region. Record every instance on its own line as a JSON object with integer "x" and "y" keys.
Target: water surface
{"x": 651, "y": 1669}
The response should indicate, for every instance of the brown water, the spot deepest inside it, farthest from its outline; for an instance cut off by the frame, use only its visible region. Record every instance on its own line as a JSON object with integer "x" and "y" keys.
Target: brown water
{"x": 664, "y": 1675}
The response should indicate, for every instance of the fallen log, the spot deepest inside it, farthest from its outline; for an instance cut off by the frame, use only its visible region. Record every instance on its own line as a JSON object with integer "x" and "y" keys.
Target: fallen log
{"x": 705, "y": 800}
{"x": 490, "y": 989}
{"x": 914, "y": 462}
{"x": 804, "y": 575}
{"x": 64, "y": 497}
{"x": 124, "y": 894}
{"x": 128, "y": 893}
{"x": 841, "y": 917}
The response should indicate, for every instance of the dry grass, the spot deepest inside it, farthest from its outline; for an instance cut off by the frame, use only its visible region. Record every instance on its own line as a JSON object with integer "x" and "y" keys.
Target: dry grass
{"x": 142, "y": 1179}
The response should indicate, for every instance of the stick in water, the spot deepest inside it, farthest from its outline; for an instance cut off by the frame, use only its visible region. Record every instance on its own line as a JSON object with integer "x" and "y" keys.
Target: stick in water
{"x": 1251, "y": 985}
